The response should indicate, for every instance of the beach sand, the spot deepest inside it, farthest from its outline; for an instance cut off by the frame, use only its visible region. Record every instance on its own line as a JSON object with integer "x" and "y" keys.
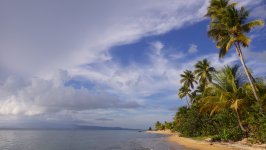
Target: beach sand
{"x": 205, "y": 145}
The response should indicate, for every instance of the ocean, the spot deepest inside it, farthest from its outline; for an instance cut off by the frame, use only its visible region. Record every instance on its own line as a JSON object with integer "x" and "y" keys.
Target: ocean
{"x": 83, "y": 140}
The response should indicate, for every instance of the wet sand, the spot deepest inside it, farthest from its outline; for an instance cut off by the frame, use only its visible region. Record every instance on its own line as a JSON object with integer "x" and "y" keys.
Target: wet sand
{"x": 204, "y": 145}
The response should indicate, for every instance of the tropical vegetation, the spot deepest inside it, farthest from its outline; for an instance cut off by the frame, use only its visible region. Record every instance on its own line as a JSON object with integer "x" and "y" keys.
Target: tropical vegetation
{"x": 227, "y": 103}
{"x": 228, "y": 27}
{"x": 226, "y": 109}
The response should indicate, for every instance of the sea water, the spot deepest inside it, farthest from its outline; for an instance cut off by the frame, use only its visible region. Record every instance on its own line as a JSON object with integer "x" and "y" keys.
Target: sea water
{"x": 83, "y": 140}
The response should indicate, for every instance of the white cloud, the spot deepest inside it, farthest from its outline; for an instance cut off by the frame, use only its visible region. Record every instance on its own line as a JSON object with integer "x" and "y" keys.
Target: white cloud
{"x": 157, "y": 47}
{"x": 132, "y": 83}
{"x": 137, "y": 81}
{"x": 38, "y": 38}
{"x": 177, "y": 55}
{"x": 248, "y": 3}
{"x": 41, "y": 96}
{"x": 134, "y": 80}
{"x": 259, "y": 12}
{"x": 54, "y": 35}
{"x": 257, "y": 66}
{"x": 79, "y": 37}
{"x": 193, "y": 48}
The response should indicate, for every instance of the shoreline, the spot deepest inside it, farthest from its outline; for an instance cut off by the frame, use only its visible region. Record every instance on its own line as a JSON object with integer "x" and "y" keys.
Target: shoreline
{"x": 205, "y": 145}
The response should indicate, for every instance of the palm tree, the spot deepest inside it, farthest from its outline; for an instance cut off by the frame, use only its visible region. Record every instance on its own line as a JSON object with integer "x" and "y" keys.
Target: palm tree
{"x": 224, "y": 93}
{"x": 193, "y": 96}
{"x": 228, "y": 27}
{"x": 184, "y": 92}
{"x": 217, "y": 7}
{"x": 188, "y": 79}
{"x": 158, "y": 125}
{"x": 200, "y": 89}
{"x": 203, "y": 72}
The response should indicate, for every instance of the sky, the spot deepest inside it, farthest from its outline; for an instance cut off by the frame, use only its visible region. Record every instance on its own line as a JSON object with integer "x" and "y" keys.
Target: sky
{"x": 106, "y": 63}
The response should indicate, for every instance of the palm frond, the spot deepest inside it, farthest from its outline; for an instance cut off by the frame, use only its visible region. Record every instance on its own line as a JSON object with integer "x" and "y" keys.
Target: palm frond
{"x": 252, "y": 24}
{"x": 243, "y": 39}
{"x": 229, "y": 44}
{"x": 222, "y": 45}
{"x": 236, "y": 104}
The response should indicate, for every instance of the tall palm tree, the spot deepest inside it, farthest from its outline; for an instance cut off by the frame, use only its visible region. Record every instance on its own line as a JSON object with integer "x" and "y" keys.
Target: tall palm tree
{"x": 228, "y": 27}
{"x": 184, "y": 92}
{"x": 188, "y": 79}
{"x": 204, "y": 72}
{"x": 225, "y": 93}
{"x": 217, "y": 7}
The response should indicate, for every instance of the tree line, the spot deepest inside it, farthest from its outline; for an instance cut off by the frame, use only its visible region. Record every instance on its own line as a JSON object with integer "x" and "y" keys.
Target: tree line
{"x": 228, "y": 103}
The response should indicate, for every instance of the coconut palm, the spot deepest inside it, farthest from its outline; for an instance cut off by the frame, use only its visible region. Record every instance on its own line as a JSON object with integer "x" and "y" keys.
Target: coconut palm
{"x": 193, "y": 96}
{"x": 225, "y": 93}
{"x": 188, "y": 79}
{"x": 228, "y": 27}
{"x": 217, "y": 7}
{"x": 200, "y": 89}
{"x": 203, "y": 71}
{"x": 184, "y": 92}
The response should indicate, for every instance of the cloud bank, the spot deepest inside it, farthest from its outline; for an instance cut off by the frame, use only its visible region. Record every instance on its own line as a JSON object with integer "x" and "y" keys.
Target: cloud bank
{"x": 46, "y": 44}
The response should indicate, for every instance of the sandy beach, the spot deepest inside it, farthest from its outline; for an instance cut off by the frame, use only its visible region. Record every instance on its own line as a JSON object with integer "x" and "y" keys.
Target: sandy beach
{"x": 205, "y": 145}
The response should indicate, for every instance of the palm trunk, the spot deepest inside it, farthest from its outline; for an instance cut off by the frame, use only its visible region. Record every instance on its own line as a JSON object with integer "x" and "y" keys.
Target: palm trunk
{"x": 239, "y": 52}
{"x": 187, "y": 102}
{"x": 239, "y": 122}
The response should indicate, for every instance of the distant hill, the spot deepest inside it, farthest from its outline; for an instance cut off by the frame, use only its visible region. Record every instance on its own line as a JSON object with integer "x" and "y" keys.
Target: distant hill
{"x": 75, "y": 127}
{"x": 102, "y": 128}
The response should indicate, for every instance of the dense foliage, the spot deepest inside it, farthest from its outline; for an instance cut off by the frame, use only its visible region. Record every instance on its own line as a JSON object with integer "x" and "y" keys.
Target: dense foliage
{"x": 227, "y": 104}
{"x": 225, "y": 110}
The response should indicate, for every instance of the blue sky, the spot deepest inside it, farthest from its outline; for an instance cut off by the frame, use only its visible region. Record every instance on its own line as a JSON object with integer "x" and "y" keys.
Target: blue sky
{"x": 114, "y": 63}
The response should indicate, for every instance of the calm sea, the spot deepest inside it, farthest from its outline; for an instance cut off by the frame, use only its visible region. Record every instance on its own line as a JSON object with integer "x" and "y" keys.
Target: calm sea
{"x": 83, "y": 140}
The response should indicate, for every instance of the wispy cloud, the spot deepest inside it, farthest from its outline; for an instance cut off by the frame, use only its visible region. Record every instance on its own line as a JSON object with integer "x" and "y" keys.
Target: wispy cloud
{"x": 39, "y": 39}
{"x": 86, "y": 38}
{"x": 193, "y": 48}
{"x": 104, "y": 119}
{"x": 259, "y": 12}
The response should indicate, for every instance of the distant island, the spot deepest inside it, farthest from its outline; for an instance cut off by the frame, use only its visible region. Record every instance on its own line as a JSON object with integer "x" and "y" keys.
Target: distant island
{"x": 75, "y": 127}
{"x": 102, "y": 128}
